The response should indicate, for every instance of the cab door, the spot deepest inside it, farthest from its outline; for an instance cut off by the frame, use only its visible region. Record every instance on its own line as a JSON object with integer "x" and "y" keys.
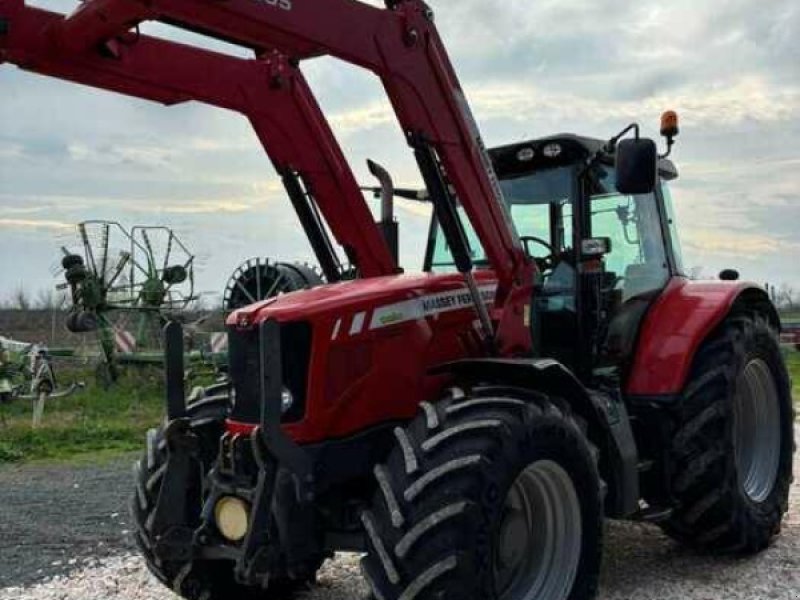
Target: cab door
{"x": 631, "y": 275}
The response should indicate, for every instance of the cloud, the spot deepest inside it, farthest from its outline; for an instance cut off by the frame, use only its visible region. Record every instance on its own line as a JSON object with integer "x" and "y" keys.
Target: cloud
{"x": 745, "y": 99}
{"x": 733, "y": 244}
{"x": 363, "y": 118}
{"x": 199, "y": 208}
{"x": 10, "y": 151}
{"x": 142, "y": 156}
{"x": 729, "y": 67}
{"x": 23, "y": 210}
{"x": 417, "y": 209}
{"x": 33, "y": 224}
{"x": 756, "y": 165}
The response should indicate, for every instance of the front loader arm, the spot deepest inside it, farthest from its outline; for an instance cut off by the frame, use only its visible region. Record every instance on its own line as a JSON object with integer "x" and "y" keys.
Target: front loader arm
{"x": 401, "y": 45}
{"x": 270, "y": 92}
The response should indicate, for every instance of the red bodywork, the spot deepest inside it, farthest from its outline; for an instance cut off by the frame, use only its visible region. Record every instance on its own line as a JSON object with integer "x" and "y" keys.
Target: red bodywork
{"x": 373, "y": 343}
{"x": 673, "y": 330}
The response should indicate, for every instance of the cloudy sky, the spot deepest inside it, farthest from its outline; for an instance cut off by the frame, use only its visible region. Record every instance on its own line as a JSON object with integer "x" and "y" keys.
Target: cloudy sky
{"x": 530, "y": 68}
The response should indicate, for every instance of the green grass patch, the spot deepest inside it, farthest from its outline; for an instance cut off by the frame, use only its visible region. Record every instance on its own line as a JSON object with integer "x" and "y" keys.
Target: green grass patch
{"x": 98, "y": 424}
{"x": 95, "y": 422}
{"x": 793, "y": 360}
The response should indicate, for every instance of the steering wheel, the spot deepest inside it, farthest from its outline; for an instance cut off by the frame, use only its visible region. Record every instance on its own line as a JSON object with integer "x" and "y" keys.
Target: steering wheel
{"x": 544, "y": 263}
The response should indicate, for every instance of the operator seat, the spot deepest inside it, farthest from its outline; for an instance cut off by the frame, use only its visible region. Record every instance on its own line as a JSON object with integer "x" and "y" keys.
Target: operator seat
{"x": 642, "y": 284}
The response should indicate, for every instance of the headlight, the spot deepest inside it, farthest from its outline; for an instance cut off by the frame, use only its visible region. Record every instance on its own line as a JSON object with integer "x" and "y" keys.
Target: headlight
{"x": 233, "y": 517}
{"x": 287, "y": 401}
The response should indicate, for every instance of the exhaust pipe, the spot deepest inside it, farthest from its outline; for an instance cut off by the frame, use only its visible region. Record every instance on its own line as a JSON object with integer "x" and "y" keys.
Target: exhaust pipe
{"x": 387, "y": 223}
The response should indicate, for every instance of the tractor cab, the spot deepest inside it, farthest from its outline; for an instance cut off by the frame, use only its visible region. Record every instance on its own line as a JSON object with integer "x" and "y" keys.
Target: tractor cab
{"x": 603, "y": 256}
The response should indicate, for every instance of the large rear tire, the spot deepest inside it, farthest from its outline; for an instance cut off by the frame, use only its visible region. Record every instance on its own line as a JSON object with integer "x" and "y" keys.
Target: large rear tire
{"x": 732, "y": 454}
{"x": 199, "y": 579}
{"x": 492, "y": 495}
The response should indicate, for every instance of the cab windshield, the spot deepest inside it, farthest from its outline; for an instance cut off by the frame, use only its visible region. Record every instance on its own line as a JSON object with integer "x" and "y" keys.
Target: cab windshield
{"x": 541, "y": 208}
{"x": 541, "y": 205}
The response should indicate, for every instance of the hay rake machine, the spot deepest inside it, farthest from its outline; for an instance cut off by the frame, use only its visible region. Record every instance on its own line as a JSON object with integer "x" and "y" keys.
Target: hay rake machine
{"x": 124, "y": 284}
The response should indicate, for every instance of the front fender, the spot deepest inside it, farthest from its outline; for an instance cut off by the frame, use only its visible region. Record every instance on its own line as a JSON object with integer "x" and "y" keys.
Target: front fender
{"x": 678, "y": 323}
{"x": 606, "y": 416}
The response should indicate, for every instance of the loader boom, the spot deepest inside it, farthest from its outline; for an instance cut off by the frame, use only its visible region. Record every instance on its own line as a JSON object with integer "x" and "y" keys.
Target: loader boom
{"x": 270, "y": 92}
{"x": 99, "y": 45}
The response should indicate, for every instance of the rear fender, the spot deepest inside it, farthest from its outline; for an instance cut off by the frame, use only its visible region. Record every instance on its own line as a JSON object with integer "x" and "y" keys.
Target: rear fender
{"x": 604, "y": 413}
{"x": 678, "y": 323}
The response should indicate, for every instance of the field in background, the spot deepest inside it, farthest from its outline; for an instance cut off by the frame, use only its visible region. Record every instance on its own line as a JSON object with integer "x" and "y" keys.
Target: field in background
{"x": 793, "y": 359}
{"x": 90, "y": 424}
{"x": 98, "y": 423}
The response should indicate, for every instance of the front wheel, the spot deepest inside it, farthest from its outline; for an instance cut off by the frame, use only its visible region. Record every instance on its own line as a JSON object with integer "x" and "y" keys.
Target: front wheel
{"x": 492, "y": 495}
{"x": 732, "y": 454}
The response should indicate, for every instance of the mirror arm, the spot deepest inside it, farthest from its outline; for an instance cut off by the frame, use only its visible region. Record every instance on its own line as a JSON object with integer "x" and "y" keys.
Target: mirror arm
{"x": 609, "y": 147}
{"x": 612, "y": 143}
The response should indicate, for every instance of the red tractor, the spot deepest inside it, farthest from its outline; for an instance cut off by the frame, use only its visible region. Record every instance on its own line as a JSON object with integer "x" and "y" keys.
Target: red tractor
{"x": 468, "y": 428}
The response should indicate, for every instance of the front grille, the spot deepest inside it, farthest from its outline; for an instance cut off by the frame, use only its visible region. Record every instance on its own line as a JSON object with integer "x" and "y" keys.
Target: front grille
{"x": 244, "y": 368}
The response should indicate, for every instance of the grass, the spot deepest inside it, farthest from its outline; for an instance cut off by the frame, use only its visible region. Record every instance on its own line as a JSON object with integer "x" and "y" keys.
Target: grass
{"x": 92, "y": 424}
{"x": 793, "y": 360}
{"x": 96, "y": 424}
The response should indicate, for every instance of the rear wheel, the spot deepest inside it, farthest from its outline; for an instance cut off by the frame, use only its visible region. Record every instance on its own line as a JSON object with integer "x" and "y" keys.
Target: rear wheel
{"x": 492, "y": 495}
{"x": 199, "y": 579}
{"x": 732, "y": 454}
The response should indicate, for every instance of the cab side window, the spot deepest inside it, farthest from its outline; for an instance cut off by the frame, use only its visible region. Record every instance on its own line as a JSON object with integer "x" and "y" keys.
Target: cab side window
{"x": 637, "y": 259}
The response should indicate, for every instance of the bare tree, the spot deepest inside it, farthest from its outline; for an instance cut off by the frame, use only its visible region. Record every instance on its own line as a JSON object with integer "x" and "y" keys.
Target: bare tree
{"x": 44, "y": 299}
{"x": 786, "y": 297}
{"x": 199, "y": 304}
{"x": 20, "y": 299}
{"x": 50, "y": 299}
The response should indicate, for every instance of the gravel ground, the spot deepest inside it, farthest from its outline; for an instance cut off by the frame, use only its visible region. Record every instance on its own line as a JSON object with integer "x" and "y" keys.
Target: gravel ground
{"x": 640, "y": 562}
{"x": 52, "y": 517}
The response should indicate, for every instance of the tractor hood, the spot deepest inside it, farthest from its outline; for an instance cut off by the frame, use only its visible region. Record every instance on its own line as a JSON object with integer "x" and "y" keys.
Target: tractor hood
{"x": 414, "y": 292}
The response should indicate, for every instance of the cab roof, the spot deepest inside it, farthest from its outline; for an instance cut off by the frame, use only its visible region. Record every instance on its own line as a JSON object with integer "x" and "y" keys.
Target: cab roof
{"x": 558, "y": 151}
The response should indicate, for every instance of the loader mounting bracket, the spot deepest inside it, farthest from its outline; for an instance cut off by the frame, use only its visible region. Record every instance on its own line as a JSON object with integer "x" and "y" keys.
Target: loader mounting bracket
{"x": 271, "y": 435}
{"x": 171, "y": 517}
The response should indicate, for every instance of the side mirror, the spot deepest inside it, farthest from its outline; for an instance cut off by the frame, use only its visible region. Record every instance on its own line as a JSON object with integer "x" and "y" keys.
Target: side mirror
{"x": 637, "y": 166}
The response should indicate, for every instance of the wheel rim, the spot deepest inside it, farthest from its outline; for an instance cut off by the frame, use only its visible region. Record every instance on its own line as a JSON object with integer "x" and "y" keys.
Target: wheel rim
{"x": 538, "y": 544}
{"x": 758, "y": 431}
